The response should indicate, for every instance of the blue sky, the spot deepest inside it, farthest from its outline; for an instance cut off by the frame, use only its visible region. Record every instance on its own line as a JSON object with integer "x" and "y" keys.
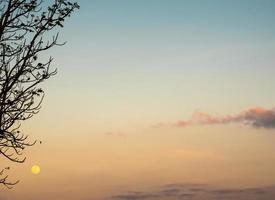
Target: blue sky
{"x": 217, "y": 50}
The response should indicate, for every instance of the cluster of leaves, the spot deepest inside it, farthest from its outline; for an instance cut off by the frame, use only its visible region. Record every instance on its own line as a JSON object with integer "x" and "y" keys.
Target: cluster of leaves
{"x": 23, "y": 28}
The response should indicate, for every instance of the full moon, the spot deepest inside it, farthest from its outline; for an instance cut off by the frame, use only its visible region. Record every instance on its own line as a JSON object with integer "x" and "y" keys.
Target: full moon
{"x": 35, "y": 169}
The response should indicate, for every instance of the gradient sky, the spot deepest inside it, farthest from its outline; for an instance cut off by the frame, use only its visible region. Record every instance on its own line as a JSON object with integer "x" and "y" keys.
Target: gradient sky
{"x": 129, "y": 72}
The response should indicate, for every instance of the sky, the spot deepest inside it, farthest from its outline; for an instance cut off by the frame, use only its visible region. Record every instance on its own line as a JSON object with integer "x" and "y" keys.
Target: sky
{"x": 157, "y": 99}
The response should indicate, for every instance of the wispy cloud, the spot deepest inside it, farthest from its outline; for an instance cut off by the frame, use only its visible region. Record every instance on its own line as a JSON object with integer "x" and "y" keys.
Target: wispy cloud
{"x": 115, "y": 134}
{"x": 254, "y": 117}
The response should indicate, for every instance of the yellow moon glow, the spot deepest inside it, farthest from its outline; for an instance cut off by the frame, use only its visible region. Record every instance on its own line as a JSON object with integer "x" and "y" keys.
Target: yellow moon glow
{"x": 35, "y": 169}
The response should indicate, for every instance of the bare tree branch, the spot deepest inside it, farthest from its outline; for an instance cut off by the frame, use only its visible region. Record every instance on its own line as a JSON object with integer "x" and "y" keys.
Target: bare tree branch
{"x": 24, "y": 25}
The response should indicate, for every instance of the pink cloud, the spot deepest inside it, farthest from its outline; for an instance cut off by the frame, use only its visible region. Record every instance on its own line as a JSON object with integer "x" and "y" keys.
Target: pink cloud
{"x": 255, "y": 117}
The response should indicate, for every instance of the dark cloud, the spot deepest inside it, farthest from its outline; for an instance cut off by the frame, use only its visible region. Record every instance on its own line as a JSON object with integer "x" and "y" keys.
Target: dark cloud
{"x": 260, "y": 117}
{"x": 186, "y": 195}
{"x": 197, "y": 189}
{"x": 198, "y": 192}
{"x": 228, "y": 191}
{"x": 256, "y": 190}
{"x": 134, "y": 196}
{"x": 254, "y": 117}
{"x": 236, "y": 191}
{"x": 172, "y": 190}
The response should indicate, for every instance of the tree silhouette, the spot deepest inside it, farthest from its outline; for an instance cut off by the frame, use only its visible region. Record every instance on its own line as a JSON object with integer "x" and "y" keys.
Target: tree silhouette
{"x": 24, "y": 34}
